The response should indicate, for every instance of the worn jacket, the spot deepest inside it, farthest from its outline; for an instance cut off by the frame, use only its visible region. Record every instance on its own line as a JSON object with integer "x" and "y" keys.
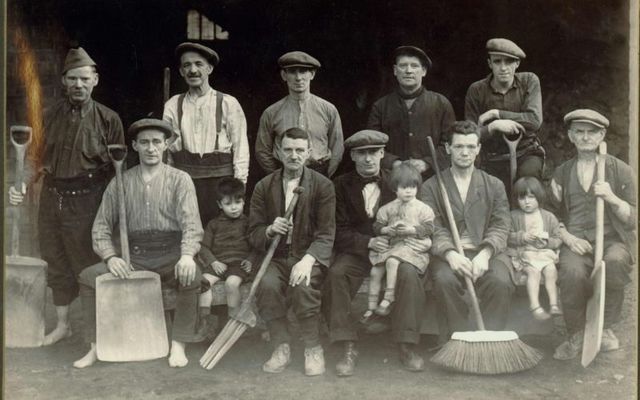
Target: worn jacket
{"x": 354, "y": 228}
{"x": 485, "y": 212}
{"x": 314, "y": 223}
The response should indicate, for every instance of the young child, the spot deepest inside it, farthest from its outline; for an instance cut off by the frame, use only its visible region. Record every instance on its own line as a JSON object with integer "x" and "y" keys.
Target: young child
{"x": 226, "y": 252}
{"x": 404, "y": 217}
{"x": 533, "y": 244}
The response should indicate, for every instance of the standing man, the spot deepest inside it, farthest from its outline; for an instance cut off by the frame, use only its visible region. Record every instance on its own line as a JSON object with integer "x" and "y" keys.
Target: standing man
{"x": 164, "y": 232}
{"x": 304, "y": 110}
{"x": 76, "y": 169}
{"x": 481, "y": 211}
{"x": 300, "y": 262}
{"x": 507, "y": 103}
{"x": 359, "y": 194}
{"x": 210, "y": 129}
{"x": 411, "y": 113}
{"x": 575, "y": 190}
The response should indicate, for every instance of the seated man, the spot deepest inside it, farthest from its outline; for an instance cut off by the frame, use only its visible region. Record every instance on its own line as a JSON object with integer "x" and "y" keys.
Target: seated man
{"x": 574, "y": 190}
{"x": 481, "y": 211}
{"x": 164, "y": 234}
{"x": 359, "y": 194}
{"x": 298, "y": 267}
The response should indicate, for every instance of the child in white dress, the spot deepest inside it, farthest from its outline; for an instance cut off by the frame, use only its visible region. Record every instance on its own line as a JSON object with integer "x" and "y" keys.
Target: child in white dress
{"x": 533, "y": 244}
{"x": 404, "y": 217}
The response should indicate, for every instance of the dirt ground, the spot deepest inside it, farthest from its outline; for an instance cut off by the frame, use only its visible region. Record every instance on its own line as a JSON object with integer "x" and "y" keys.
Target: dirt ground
{"x": 46, "y": 373}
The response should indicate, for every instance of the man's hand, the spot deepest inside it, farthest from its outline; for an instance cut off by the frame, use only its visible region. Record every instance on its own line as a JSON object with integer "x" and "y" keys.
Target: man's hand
{"x": 280, "y": 226}
{"x": 301, "y": 271}
{"x": 460, "y": 264}
{"x": 418, "y": 245}
{"x": 185, "y": 270}
{"x": 379, "y": 244}
{"x": 505, "y": 127}
{"x": 246, "y": 266}
{"x": 119, "y": 268}
{"x": 420, "y": 165}
{"x": 488, "y": 116}
{"x": 16, "y": 197}
{"x": 480, "y": 264}
{"x": 603, "y": 189}
{"x": 219, "y": 267}
{"x": 577, "y": 245}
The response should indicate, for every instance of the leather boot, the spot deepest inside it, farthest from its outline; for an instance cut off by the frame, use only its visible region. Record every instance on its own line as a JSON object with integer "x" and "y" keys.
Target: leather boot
{"x": 314, "y": 361}
{"x": 347, "y": 363}
{"x": 409, "y": 358}
{"x": 280, "y": 358}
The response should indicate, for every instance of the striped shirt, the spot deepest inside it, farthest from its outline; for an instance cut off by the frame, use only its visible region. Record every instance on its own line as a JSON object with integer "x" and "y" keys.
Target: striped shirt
{"x": 166, "y": 203}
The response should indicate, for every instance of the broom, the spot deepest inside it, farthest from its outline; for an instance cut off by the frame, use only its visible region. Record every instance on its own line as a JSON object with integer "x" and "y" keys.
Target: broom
{"x": 479, "y": 352}
{"x": 245, "y": 317}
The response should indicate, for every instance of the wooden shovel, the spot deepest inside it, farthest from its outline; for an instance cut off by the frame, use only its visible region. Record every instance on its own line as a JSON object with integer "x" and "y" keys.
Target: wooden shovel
{"x": 26, "y": 278}
{"x": 245, "y": 317}
{"x": 513, "y": 157}
{"x": 130, "y": 324}
{"x": 595, "y": 305}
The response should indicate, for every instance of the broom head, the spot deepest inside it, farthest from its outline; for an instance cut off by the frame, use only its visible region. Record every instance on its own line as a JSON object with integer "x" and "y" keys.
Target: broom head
{"x": 487, "y": 353}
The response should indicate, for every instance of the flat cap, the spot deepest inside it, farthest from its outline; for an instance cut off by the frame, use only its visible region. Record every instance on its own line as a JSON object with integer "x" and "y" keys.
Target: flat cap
{"x": 150, "y": 123}
{"x": 298, "y": 59}
{"x": 505, "y": 47}
{"x": 588, "y": 116}
{"x": 204, "y": 51}
{"x": 77, "y": 58}
{"x": 366, "y": 139}
{"x": 415, "y": 52}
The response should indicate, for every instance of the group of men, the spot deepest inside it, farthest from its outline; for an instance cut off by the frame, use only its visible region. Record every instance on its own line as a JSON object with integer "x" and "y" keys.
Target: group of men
{"x": 323, "y": 257}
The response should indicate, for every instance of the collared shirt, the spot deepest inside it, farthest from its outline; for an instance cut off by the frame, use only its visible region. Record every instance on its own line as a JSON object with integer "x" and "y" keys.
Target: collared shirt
{"x": 521, "y": 103}
{"x": 371, "y": 195}
{"x": 197, "y": 131}
{"x": 431, "y": 114}
{"x": 166, "y": 203}
{"x": 313, "y": 114}
{"x": 76, "y": 138}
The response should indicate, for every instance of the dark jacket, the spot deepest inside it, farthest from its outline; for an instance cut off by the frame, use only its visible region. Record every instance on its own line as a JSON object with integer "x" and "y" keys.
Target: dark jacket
{"x": 485, "y": 213}
{"x": 354, "y": 228}
{"x": 314, "y": 223}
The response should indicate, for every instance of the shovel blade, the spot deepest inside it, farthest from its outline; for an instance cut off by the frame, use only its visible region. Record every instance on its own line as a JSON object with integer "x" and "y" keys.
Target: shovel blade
{"x": 594, "y": 318}
{"x": 130, "y": 324}
{"x": 25, "y": 294}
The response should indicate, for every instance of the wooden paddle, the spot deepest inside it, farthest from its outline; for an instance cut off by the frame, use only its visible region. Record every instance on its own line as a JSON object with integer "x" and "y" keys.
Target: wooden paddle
{"x": 25, "y": 277}
{"x": 595, "y": 305}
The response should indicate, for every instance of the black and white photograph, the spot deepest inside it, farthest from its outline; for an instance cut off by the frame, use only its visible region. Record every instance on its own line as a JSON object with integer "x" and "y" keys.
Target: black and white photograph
{"x": 320, "y": 199}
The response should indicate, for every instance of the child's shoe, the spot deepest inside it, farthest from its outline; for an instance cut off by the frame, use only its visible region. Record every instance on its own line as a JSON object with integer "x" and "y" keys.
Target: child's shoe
{"x": 384, "y": 308}
{"x": 555, "y": 310}
{"x": 540, "y": 314}
{"x": 366, "y": 317}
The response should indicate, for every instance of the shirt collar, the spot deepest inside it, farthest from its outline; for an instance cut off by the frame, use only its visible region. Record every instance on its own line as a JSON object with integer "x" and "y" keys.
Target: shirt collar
{"x": 192, "y": 97}
{"x": 516, "y": 83}
{"x": 83, "y": 108}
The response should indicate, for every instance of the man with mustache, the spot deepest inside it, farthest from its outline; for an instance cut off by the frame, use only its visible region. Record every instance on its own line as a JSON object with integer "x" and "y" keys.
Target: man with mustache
{"x": 301, "y": 109}
{"x": 411, "y": 113}
{"x": 507, "y": 103}
{"x": 76, "y": 169}
{"x": 210, "y": 128}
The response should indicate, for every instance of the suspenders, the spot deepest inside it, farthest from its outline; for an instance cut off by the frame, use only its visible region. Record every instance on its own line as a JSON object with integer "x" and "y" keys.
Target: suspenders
{"x": 219, "y": 97}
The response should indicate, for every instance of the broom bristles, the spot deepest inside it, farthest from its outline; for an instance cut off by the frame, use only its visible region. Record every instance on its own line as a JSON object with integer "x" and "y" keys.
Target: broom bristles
{"x": 487, "y": 358}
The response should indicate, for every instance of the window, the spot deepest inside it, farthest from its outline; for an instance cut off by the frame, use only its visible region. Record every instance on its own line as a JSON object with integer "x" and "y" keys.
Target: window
{"x": 199, "y": 27}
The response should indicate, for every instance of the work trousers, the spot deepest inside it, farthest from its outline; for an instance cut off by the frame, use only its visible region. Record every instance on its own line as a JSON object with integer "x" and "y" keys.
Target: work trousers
{"x": 576, "y": 286}
{"x": 274, "y": 296}
{"x": 494, "y": 290}
{"x": 159, "y": 259}
{"x": 65, "y": 218}
{"x": 345, "y": 277}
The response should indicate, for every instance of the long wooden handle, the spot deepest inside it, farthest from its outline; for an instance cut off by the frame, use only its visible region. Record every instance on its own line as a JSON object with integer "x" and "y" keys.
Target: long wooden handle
{"x": 512, "y": 145}
{"x": 166, "y": 82}
{"x": 274, "y": 244}
{"x": 600, "y": 175}
{"x": 117, "y": 153}
{"x": 20, "y": 137}
{"x": 456, "y": 236}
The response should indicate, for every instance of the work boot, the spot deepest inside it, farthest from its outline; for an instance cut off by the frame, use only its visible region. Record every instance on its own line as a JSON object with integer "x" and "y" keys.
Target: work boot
{"x": 280, "y": 358}
{"x": 409, "y": 358}
{"x": 347, "y": 364}
{"x": 314, "y": 361}
{"x": 609, "y": 341}
{"x": 570, "y": 349}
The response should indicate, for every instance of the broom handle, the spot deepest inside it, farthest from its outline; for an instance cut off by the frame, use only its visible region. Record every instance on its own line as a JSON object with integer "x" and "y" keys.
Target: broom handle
{"x": 273, "y": 246}
{"x": 602, "y": 150}
{"x": 456, "y": 236}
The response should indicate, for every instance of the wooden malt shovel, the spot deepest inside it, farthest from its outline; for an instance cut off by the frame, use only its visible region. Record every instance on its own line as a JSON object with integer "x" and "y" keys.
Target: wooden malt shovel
{"x": 595, "y": 305}
{"x": 245, "y": 317}
{"x": 130, "y": 324}
{"x": 25, "y": 277}
{"x": 512, "y": 145}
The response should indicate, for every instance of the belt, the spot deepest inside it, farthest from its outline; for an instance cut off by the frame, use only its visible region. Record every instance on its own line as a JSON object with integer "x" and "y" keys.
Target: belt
{"x": 154, "y": 241}
{"x": 89, "y": 180}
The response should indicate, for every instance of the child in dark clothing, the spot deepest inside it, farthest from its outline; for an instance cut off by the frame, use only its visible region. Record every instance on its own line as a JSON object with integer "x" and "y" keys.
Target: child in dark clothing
{"x": 226, "y": 253}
